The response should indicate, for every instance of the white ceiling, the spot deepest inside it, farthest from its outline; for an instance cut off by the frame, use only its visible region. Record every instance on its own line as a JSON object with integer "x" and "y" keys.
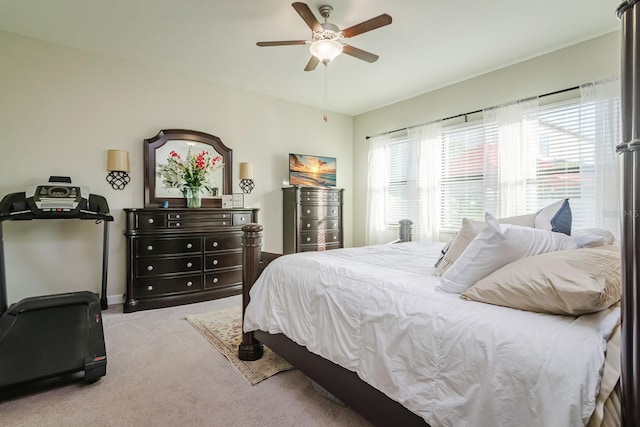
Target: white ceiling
{"x": 430, "y": 44}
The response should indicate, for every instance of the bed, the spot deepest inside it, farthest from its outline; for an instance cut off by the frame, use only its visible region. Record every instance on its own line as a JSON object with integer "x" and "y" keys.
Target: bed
{"x": 370, "y": 326}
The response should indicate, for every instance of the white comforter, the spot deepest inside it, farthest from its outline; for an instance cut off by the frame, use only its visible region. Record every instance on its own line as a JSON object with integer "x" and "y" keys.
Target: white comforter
{"x": 375, "y": 311}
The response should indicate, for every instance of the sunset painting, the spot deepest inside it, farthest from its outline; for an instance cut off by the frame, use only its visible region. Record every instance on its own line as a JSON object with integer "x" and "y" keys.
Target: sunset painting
{"x": 314, "y": 171}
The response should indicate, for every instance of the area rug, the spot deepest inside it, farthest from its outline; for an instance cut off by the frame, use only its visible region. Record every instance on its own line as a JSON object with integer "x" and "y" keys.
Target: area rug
{"x": 223, "y": 329}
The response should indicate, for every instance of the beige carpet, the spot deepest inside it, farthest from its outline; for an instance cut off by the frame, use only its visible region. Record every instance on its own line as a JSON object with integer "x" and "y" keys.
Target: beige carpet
{"x": 223, "y": 329}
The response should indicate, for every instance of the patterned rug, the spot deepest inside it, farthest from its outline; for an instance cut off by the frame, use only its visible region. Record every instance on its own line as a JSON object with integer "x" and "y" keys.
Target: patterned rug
{"x": 223, "y": 329}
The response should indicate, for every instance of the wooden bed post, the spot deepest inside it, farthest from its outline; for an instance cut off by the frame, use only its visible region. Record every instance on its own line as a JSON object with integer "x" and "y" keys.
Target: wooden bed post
{"x": 405, "y": 230}
{"x": 250, "y": 348}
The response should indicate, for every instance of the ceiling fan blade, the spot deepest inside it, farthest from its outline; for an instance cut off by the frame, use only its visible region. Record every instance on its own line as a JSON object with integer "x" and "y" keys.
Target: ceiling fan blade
{"x": 282, "y": 43}
{"x": 359, "y": 53}
{"x": 371, "y": 24}
{"x": 308, "y": 16}
{"x": 312, "y": 64}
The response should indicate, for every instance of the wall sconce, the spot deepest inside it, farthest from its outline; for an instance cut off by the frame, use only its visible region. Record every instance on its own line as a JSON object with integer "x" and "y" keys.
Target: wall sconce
{"x": 246, "y": 177}
{"x": 118, "y": 166}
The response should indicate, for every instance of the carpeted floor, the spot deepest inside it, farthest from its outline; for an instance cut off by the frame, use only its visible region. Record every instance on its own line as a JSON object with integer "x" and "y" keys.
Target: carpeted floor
{"x": 161, "y": 372}
{"x": 223, "y": 329}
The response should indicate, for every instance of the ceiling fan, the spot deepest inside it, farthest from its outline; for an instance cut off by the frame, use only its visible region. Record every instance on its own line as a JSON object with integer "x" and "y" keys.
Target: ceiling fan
{"x": 327, "y": 38}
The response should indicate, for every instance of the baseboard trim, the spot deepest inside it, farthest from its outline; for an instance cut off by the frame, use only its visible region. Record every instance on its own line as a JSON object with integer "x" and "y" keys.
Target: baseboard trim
{"x": 115, "y": 299}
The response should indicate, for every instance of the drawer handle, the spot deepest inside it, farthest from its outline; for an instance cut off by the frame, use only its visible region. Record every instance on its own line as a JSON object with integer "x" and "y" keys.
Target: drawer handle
{"x": 308, "y": 210}
{"x": 215, "y": 244}
{"x": 178, "y": 216}
{"x": 224, "y": 222}
{"x": 189, "y": 264}
{"x": 149, "y": 248}
{"x": 189, "y": 283}
{"x": 189, "y": 245}
{"x": 308, "y": 239}
{"x": 308, "y": 225}
{"x": 177, "y": 224}
{"x": 149, "y": 267}
{"x": 333, "y": 211}
{"x": 215, "y": 262}
{"x": 215, "y": 280}
{"x": 242, "y": 218}
{"x": 149, "y": 288}
{"x": 335, "y": 237}
{"x": 150, "y": 220}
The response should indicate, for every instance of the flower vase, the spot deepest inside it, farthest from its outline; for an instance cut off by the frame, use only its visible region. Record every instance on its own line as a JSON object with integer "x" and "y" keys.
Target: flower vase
{"x": 192, "y": 196}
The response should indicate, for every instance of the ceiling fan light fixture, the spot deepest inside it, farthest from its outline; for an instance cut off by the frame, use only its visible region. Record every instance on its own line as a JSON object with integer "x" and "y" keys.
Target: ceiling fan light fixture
{"x": 326, "y": 50}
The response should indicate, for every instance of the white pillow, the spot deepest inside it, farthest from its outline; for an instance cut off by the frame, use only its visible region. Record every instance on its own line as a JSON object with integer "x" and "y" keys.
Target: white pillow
{"x": 469, "y": 230}
{"x": 591, "y": 237}
{"x": 497, "y": 245}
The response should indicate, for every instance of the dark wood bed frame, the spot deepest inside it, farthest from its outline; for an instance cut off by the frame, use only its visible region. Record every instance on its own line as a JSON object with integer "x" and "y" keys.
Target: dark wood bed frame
{"x": 383, "y": 411}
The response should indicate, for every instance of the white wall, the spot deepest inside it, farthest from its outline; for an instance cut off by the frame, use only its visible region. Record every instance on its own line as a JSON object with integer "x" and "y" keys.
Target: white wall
{"x": 592, "y": 60}
{"x": 61, "y": 110}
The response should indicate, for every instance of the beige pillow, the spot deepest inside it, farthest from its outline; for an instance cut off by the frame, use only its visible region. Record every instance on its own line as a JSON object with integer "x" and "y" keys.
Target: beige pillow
{"x": 469, "y": 230}
{"x": 569, "y": 282}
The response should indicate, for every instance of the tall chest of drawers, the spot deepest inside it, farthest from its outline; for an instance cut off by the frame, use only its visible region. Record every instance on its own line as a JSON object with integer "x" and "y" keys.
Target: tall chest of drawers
{"x": 312, "y": 219}
{"x": 180, "y": 256}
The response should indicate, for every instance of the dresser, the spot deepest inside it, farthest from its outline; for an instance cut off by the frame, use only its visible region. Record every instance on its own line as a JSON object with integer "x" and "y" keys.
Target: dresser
{"x": 180, "y": 256}
{"x": 312, "y": 219}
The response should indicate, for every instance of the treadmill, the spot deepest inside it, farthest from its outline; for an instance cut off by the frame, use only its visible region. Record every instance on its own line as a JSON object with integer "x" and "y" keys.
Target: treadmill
{"x": 53, "y": 335}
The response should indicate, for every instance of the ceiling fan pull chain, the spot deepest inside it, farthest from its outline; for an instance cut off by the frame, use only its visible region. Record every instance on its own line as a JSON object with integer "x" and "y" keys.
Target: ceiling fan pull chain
{"x": 325, "y": 118}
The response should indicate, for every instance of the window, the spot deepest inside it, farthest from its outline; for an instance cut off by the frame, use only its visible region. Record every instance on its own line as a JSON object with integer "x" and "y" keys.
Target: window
{"x": 567, "y": 149}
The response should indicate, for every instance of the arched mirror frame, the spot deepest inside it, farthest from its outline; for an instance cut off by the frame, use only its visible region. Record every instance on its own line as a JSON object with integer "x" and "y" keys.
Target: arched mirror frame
{"x": 151, "y": 198}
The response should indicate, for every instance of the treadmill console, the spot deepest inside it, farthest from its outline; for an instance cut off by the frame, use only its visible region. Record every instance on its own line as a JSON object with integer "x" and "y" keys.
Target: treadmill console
{"x": 57, "y": 197}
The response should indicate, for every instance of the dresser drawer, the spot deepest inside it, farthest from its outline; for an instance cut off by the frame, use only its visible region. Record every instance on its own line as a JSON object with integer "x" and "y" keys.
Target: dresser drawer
{"x": 149, "y": 247}
{"x": 320, "y": 211}
{"x": 241, "y": 218}
{"x": 222, "y": 241}
{"x": 222, "y": 278}
{"x": 311, "y": 238}
{"x": 192, "y": 224}
{"x": 151, "y": 221}
{"x": 149, "y": 288}
{"x": 222, "y": 260}
{"x": 319, "y": 247}
{"x": 320, "y": 196}
{"x": 309, "y": 224}
{"x": 156, "y": 266}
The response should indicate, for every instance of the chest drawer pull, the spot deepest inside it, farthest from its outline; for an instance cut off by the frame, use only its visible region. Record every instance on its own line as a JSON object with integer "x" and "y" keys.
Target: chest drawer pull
{"x": 308, "y": 225}
{"x": 224, "y": 222}
{"x": 335, "y": 237}
{"x": 215, "y": 262}
{"x": 177, "y": 224}
{"x": 149, "y": 248}
{"x": 308, "y": 210}
{"x": 189, "y": 245}
{"x": 178, "y": 216}
{"x": 149, "y": 267}
{"x": 189, "y": 264}
{"x": 150, "y": 220}
{"x": 149, "y": 288}
{"x": 215, "y": 244}
{"x": 308, "y": 239}
{"x": 189, "y": 283}
{"x": 215, "y": 280}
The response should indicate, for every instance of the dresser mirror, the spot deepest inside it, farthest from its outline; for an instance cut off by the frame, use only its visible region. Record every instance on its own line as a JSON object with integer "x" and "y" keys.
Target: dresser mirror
{"x": 156, "y": 153}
